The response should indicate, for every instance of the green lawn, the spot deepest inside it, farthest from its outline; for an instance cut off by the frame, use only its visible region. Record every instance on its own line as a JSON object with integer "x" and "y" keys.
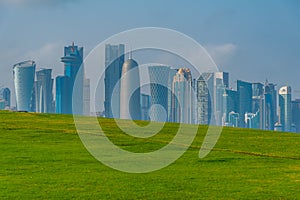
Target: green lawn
{"x": 42, "y": 157}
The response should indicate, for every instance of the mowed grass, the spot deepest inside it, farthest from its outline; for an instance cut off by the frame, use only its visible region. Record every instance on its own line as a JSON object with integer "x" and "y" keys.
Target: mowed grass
{"x": 42, "y": 157}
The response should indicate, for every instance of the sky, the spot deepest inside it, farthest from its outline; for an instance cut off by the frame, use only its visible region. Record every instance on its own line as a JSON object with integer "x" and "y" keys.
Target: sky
{"x": 252, "y": 40}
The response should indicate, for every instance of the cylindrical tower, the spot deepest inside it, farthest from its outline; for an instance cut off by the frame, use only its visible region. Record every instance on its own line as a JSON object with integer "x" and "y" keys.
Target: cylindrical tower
{"x": 24, "y": 81}
{"x": 130, "y": 106}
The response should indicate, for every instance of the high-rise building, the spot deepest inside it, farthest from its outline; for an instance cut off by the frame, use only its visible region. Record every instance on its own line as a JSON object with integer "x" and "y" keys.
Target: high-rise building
{"x": 114, "y": 59}
{"x": 5, "y": 95}
{"x": 270, "y": 106}
{"x": 74, "y": 70}
{"x": 258, "y": 108}
{"x": 86, "y": 97}
{"x": 182, "y": 101}
{"x": 204, "y": 109}
{"x": 159, "y": 76}
{"x": 285, "y": 108}
{"x": 230, "y": 105}
{"x": 172, "y": 73}
{"x": 145, "y": 106}
{"x": 209, "y": 78}
{"x": 130, "y": 105}
{"x": 43, "y": 91}
{"x": 221, "y": 82}
{"x": 24, "y": 73}
{"x": 296, "y": 114}
{"x": 244, "y": 90}
{"x": 63, "y": 95}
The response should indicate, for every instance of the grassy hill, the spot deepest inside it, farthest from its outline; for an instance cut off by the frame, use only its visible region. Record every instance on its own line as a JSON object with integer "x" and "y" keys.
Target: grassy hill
{"x": 41, "y": 156}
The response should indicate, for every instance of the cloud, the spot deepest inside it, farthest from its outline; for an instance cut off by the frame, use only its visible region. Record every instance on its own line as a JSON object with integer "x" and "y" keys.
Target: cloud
{"x": 221, "y": 54}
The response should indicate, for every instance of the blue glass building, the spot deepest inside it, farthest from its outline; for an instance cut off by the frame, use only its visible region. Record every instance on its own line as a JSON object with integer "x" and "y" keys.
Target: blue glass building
{"x": 63, "y": 95}
{"x": 74, "y": 70}
{"x": 5, "y": 95}
{"x": 114, "y": 60}
{"x": 23, "y": 74}
{"x": 270, "y": 106}
{"x": 244, "y": 90}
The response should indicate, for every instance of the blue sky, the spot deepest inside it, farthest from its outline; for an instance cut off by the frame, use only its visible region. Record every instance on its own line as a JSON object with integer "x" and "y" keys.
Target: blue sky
{"x": 252, "y": 40}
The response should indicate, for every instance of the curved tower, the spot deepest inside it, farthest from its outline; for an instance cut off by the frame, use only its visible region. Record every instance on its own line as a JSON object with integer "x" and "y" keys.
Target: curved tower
{"x": 130, "y": 106}
{"x": 23, "y": 73}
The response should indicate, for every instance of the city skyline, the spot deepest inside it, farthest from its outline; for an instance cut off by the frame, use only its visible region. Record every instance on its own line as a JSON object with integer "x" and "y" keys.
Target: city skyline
{"x": 252, "y": 105}
{"x": 242, "y": 37}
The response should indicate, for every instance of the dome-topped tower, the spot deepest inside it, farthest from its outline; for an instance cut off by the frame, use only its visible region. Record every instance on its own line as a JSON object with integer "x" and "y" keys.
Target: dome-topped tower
{"x": 130, "y": 106}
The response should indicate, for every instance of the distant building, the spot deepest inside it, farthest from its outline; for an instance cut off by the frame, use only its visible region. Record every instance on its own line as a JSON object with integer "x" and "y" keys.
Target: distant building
{"x": 6, "y": 96}
{"x": 204, "y": 109}
{"x": 159, "y": 76}
{"x": 114, "y": 60}
{"x": 221, "y": 82}
{"x": 258, "y": 106}
{"x": 296, "y": 114}
{"x": 230, "y": 104}
{"x": 63, "y": 95}
{"x": 145, "y": 106}
{"x": 270, "y": 106}
{"x": 2, "y": 104}
{"x": 285, "y": 108}
{"x": 182, "y": 101}
{"x": 233, "y": 119}
{"x": 244, "y": 90}
{"x": 73, "y": 78}
{"x": 86, "y": 97}
{"x": 172, "y": 73}
{"x": 130, "y": 105}
{"x": 252, "y": 120}
{"x": 43, "y": 91}
{"x": 23, "y": 74}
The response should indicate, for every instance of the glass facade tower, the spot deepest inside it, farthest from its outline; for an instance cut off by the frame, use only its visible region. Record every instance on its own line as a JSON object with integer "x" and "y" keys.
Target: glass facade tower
{"x": 23, "y": 74}
{"x": 159, "y": 76}
{"x": 114, "y": 60}
{"x": 285, "y": 108}
{"x": 43, "y": 91}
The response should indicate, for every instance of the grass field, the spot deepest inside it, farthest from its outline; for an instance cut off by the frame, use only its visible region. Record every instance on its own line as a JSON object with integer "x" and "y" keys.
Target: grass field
{"x": 42, "y": 157}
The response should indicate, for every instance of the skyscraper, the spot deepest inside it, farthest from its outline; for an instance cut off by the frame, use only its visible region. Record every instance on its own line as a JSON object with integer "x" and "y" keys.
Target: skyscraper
{"x": 43, "y": 91}
{"x": 63, "y": 95}
{"x": 244, "y": 90}
{"x": 203, "y": 102}
{"x": 221, "y": 82}
{"x": 172, "y": 73}
{"x": 209, "y": 78}
{"x": 270, "y": 106}
{"x": 159, "y": 76}
{"x": 258, "y": 106}
{"x": 5, "y": 95}
{"x": 182, "y": 101}
{"x": 23, "y": 74}
{"x": 230, "y": 105}
{"x": 74, "y": 70}
{"x": 130, "y": 105}
{"x": 114, "y": 59}
{"x": 285, "y": 108}
{"x": 296, "y": 114}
